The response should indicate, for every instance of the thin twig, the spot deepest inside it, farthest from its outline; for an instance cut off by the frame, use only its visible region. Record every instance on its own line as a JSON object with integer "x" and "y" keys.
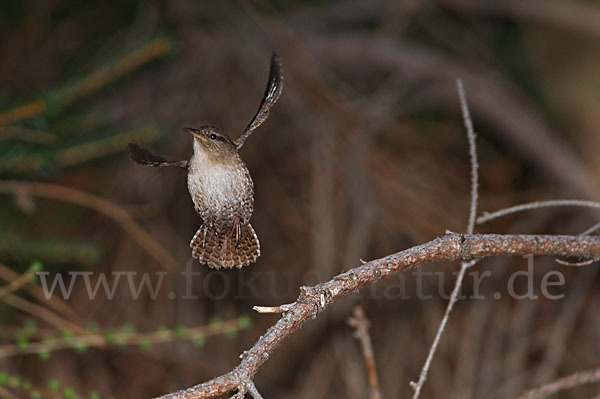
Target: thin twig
{"x": 544, "y": 204}
{"x": 361, "y": 324}
{"x": 313, "y": 300}
{"x": 585, "y": 262}
{"x": 40, "y": 312}
{"x": 89, "y": 340}
{"x": 580, "y": 378}
{"x": 470, "y": 227}
{"x": 473, "y": 155}
{"x": 253, "y": 391}
{"x": 101, "y": 205}
{"x": 417, "y": 386}
{"x": 54, "y": 302}
{"x": 273, "y": 309}
{"x": 574, "y": 264}
{"x": 486, "y": 217}
{"x": 591, "y": 229}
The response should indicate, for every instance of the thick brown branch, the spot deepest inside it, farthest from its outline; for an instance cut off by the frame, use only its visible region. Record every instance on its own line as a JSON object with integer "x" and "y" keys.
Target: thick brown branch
{"x": 312, "y": 300}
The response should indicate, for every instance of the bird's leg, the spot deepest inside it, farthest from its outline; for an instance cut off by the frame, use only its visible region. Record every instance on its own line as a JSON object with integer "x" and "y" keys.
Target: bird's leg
{"x": 205, "y": 227}
{"x": 236, "y": 230}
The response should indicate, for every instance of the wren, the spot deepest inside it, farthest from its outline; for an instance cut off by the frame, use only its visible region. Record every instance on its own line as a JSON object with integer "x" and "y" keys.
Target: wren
{"x": 221, "y": 187}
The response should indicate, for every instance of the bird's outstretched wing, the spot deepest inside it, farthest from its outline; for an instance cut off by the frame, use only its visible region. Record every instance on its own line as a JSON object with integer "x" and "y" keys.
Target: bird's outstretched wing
{"x": 274, "y": 87}
{"x": 144, "y": 157}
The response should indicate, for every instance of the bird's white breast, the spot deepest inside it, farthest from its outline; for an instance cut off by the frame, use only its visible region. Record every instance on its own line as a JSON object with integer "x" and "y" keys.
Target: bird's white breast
{"x": 218, "y": 186}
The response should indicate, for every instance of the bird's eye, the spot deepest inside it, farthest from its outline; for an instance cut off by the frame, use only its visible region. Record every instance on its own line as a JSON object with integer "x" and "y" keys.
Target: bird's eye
{"x": 213, "y": 136}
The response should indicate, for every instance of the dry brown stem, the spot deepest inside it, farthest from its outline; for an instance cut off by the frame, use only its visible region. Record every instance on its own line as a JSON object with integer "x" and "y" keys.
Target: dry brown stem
{"x": 17, "y": 283}
{"x": 40, "y": 312}
{"x": 54, "y": 302}
{"x": 361, "y": 324}
{"x": 313, "y": 300}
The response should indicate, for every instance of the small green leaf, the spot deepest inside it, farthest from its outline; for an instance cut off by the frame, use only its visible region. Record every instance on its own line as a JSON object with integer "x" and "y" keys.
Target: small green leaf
{"x": 3, "y": 378}
{"x": 36, "y": 266}
{"x": 67, "y": 335}
{"x": 53, "y": 384}
{"x": 22, "y": 342}
{"x": 179, "y": 331}
{"x": 163, "y": 332}
{"x": 14, "y": 381}
{"x": 146, "y": 344}
{"x": 45, "y": 353}
{"x": 80, "y": 346}
{"x": 29, "y": 327}
{"x": 69, "y": 393}
{"x": 199, "y": 340}
{"x": 35, "y": 395}
{"x": 244, "y": 322}
{"x": 231, "y": 332}
{"x": 110, "y": 336}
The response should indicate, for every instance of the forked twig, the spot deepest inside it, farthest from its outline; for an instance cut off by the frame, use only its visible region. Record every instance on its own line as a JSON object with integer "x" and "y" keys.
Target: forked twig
{"x": 470, "y": 227}
{"x": 56, "y": 303}
{"x": 546, "y": 204}
{"x": 591, "y": 230}
{"x": 486, "y": 217}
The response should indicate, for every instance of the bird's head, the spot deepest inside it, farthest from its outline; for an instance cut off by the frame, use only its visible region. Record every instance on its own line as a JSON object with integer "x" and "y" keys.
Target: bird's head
{"x": 211, "y": 140}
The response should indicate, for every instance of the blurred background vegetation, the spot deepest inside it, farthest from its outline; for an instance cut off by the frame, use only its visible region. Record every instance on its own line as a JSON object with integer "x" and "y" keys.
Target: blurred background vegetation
{"x": 363, "y": 155}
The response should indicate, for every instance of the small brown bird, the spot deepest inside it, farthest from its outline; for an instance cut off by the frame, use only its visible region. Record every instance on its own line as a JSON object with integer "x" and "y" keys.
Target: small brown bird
{"x": 221, "y": 187}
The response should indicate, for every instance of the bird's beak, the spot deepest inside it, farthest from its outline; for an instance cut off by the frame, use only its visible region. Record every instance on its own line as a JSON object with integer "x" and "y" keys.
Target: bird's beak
{"x": 196, "y": 132}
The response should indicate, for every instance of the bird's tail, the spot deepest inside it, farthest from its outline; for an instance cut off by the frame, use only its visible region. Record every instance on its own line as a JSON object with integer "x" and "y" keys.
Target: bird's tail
{"x": 226, "y": 249}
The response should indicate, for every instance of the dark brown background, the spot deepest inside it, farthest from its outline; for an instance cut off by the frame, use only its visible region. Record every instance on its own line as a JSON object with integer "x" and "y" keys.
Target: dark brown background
{"x": 364, "y": 155}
